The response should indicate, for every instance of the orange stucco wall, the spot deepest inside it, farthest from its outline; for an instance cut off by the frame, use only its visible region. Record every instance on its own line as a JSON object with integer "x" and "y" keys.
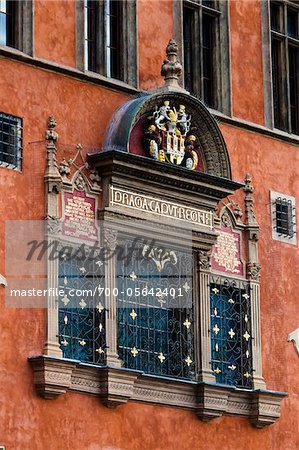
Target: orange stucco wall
{"x": 54, "y": 31}
{"x": 82, "y": 111}
{"x": 155, "y": 28}
{"x": 246, "y": 60}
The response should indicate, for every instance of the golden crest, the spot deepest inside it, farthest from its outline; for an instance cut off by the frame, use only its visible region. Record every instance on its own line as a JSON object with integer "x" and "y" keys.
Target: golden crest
{"x": 168, "y": 138}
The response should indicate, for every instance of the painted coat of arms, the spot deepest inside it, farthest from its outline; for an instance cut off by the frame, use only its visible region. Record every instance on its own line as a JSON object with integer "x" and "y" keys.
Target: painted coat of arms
{"x": 169, "y": 137}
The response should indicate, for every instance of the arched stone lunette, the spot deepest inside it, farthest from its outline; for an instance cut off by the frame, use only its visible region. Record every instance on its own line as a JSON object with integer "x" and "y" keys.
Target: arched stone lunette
{"x": 212, "y": 143}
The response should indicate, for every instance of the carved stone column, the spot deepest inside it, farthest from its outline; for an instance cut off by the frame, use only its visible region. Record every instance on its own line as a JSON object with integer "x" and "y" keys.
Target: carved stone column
{"x": 203, "y": 318}
{"x": 253, "y": 275}
{"x": 53, "y": 184}
{"x": 110, "y": 242}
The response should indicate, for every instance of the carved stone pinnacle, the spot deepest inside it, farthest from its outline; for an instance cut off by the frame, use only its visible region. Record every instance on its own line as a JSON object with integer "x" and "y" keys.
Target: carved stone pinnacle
{"x": 171, "y": 68}
{"x": 52, "y": 175}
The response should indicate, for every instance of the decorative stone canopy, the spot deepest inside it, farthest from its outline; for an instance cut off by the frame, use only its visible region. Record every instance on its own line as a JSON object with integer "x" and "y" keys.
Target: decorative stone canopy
{"x": 130, "y": 122}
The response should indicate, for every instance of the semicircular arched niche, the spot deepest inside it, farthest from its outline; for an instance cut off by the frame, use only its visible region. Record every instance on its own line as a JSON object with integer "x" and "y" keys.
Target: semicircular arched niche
{"x": 129, "y": 124}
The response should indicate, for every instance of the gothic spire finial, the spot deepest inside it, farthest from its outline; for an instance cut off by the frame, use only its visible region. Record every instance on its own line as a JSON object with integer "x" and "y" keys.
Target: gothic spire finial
{"x": 171, "y": 68}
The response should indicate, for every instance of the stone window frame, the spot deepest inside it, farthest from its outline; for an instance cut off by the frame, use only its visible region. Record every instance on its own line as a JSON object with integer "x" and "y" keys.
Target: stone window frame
{"x": 267, "y": 66}
{"x": 24, "y": 36}
{"x": 223, "y": 78}
{"x": 115, "y": 385}
{"x": 275, "y": 235}
{"x": 128, "y": 38}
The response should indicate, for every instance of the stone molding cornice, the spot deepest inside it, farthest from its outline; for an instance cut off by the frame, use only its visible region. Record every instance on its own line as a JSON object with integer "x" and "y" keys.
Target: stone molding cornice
{"x": 113, "y": 163}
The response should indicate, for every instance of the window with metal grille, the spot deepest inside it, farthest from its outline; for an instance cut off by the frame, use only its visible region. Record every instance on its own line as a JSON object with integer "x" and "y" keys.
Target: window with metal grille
{"x": 285, "y": 64}
{"x": 81, "y": 308}
{"x": 110, "y": 37}
{"x": 231, "y": 332}
{"x": 284, "y": 217}
{"x": 204, "y": 37}
{"x": 155, "y": 311}
{"x": 11, "y": 141}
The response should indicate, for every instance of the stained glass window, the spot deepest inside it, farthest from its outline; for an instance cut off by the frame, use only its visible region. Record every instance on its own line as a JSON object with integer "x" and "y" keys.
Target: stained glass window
{"x": 155, "y": 311}
{"x": 231, "y": 334}
{"x": 81, "y": 308}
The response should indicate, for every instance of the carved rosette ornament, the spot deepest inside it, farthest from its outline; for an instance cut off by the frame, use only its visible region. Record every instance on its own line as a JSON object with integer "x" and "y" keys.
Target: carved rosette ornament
{"x": 169, "y": 136}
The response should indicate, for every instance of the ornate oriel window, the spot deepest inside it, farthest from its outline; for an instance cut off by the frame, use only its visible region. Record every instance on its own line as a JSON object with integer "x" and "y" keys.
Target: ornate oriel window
{"x": 284, "y": 19}
{"x": 106, "y": 38}
{"x": 173, "y": 317}
{"x": 205, "y": 36}
{"x": 11, "y": 141}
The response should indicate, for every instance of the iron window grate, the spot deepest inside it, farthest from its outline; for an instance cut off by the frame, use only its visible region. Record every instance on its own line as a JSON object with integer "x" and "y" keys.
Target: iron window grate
{"x": 11, "y": 141}
{"x": 155, "y": 329}
{"x": 284, "y": 217}
{"x": 231, "y": 335}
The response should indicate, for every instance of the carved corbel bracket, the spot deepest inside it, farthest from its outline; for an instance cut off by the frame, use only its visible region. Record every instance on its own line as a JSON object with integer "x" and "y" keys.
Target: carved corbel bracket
{"x": 265, "y": 408}
{"x": 52, "y": 376}
{"x": 212, "y": 401}
{"x": 55, "y": 376}
{"x": 117, "y": 385}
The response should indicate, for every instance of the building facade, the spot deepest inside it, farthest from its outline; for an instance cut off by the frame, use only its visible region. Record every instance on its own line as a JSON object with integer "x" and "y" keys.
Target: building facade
{"x": 157, "y": 141}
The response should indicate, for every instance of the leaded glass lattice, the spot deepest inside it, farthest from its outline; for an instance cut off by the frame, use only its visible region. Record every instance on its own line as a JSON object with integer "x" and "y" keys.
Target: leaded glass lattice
{"x": 81, "y": 310}
{"x": 155, "y": 310}
{"x": 231, "y": 332}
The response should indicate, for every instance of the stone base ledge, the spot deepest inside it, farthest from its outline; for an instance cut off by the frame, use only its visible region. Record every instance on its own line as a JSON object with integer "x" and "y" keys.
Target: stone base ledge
{"x": 115, "y": 386}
